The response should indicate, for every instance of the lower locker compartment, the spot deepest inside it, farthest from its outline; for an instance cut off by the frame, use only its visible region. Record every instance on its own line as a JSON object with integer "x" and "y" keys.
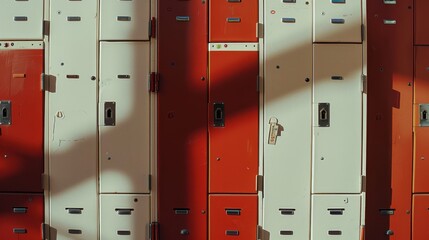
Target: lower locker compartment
{"x": 233, "y": 216}
{"x": 335, "y": 217}
{"x": 21, "y": 216}
{"x": 420, "y": 230}
{"x": 124, "y": 216}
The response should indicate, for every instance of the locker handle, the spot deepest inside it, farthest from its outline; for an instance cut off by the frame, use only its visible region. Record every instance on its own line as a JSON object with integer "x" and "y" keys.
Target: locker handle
{"x": 387, "y": 211}
{"x": 124, "y": 76}
{"x": 235, "y": 212}
{"x": 286, "y": 232}
{"x": 219, "y": 115}
{"x": 335, "y": 232}
{"x": 183, "y": 18}
{"x": 289, "y": 1}
{"x": 233, "y": 20}
{"x": 232, "y": 232}
{"x": 336, "y": 211}
{"x": 73, "y": 19}
{"x": 390, "y": 2}
{"x": 338, "y": 21}
{"x": 389, "y": 21}
{"x": 74, "y": 210}
{"x": 288, "y": 20}
{"x": 20, "y": 230}
{"x": 287, "y": 211}
{"x": 124, "y": 18}
{"x": 181, "y": 211}
{"x": 20, "y": 210}
{"x": 21, "y": 0}
{"x": 19, "y": 75}
{"x": 337, "y": 78}
{"x": 123, "y": 232}
{"x": 338, "y": 1}
{"x": 234, "y": 1}
{"x": 124, "y": 211}
{"x": 72, "y": 76}
{"x": 21, "y": 18}
{"x": 75, "y": 231}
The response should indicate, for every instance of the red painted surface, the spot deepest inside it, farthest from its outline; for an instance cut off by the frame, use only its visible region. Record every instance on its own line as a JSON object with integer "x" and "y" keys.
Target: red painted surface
{"x": 233, "y": 157}
{"x": 220, "y": 221}
{"x": 390, "y": 109}
{"x": 421, "y": 76}
{"x": 421, "y": 17}
{"x": 420, "y": 217}
{"x": 221, "y": 30}
{"x": 182, "y": 119}
{"x": 421, "y": 160}
{"x": 31, "y": 220}
{"x": 21, "y": 143}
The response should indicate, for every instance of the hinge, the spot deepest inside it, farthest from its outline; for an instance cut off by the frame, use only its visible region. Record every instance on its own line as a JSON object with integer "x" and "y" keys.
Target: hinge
{"x": 262, "y": 234}
{"x": 150, "y": 182}
{"x": 152, "y": 28}
{"x": 363, "y": 183}
{"x": 45, "y": 231}
{"x": 47, "y": 83}
{"x": 46, "y": 28}
{"x": 258, "y": 83}
{"x": 364, "y": 84}
{"x": 259, "y": 30}
{"x": 259, "y": 183}
{"x": 363, "y": 32}
{"x": 45, "y": 181}
{"x": 154, "y": 231}
{"x": 154, "y": 82}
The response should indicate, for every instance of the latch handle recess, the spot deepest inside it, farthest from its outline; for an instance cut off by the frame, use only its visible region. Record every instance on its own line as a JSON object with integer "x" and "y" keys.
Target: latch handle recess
{"x": 109, "y": 113}
{"x": 5, "y": 113}
{"x": 219, "y": 115}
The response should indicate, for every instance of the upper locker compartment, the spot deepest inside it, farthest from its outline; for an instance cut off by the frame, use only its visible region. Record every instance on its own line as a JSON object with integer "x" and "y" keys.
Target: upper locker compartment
{"x": 233, "y": 20}
{"x": 337, "y": 21}
{"x": 337, "y": 156}
{"x": 124, "y": 19}
{"x": 21, "y": 20}
{"x": 124, "y": 117}
{"x": 233, "y": 117}
{"x": 421, "y": 33}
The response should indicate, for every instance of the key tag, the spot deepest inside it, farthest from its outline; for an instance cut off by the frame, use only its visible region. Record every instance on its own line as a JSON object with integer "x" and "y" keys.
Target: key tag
{"x": 274, "y": 131}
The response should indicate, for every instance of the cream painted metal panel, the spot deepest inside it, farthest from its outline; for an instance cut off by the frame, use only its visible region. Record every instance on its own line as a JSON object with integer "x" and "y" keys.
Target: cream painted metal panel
{"x": 21, "y": 20}
{"x": 338, "y": 21}
{"x": 124, "y": 145}
{"x": 335, "y": 217}
{"x": 288, "y": 89}
{"x": 124, "y": 19}
{"x": 337, "y": 155}
{"x": 124, "y": 216}
{"x": 72, "y": 122}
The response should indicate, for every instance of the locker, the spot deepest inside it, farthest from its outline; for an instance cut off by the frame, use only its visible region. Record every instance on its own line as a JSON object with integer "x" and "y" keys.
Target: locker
{"x": 335, "y": 217}
{"x": 420, "y": 230}
{"x": 124, "y": 117}
{"x": 420, "y": 160}
{"x": 233, "y": 216}
{"x": 72, "y": 119}
{"x": 124, "y": 216}
{"x": 338, "y": 21}
{"x": 21, "y": 216}
{"x": 124, "y": 20}
{"x": 233, "y": 21}
{"x": 389, "y": 139}
{"x": 421, "y": 75}
{"x": 182, "y": 119}
{"x": 337, "y": 111}
{"x": 288, "y": 93}
{"x": 21, "y": 20}
{"x": 421, "y": 35}
{"x": 233, "y": 120}
{"x": 21, "y": 124}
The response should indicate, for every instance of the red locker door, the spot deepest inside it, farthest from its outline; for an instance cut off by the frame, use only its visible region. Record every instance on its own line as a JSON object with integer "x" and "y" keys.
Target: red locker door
{"x": 420, "y": 217}
{"x": 233, "y": 20}
{"x": 390, "y": 101}
{"x": 233, "y": 217}
{"x": 182, "y": 119}
{"x": 21, "y": 140}
{"x": 233, "y": 118}
{"x": 421, "y": 19}
{"x": 21, "y": 216}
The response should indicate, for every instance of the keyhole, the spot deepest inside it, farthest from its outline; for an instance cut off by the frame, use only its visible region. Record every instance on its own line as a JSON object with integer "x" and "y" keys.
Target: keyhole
{"x": 4, "y": 113}
{"x": 323, "y": 114}
{"x": 425, "y": 115}
{"x": 109, "y": 113}
{"x": 218, "y": 114}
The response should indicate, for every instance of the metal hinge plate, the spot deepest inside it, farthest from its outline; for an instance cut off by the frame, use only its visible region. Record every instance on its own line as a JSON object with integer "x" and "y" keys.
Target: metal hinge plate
{"x": 154, "y": 231}
{"x": 260, "y": 183}
{"x": 154, "y": 82}
{"x": 152, "y": 28}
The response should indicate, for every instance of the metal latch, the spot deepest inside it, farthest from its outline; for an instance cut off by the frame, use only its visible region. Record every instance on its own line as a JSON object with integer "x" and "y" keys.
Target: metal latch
{"x": 181, "y": 211}
{"x": 124, "y": 211}
{"x": 232, "y": 232}
{"x": 286, "y": 232}
{"x": 338, "y": 1}
{"x": 274, "y": 131}
{"x": 338, "y": 21}
{"x": 424, "y": 115}
{"x": 387, "y": 211}
{"x": 5, "y": 113}
{"x": 287, "y": 211}
{"x": 74, "y": 210}
{"x": 235, "y": 212}
{"x": 123, "y": 232}
{"x": 390, "y": 2}
{"x": 324, "y": 113}
{"x": 335, "y": 232}
{"x": 336, "y": 211}
{"x": 219, "y": 115}
{"x": 19, "y": 230}
{"x": 109, "y": 113}
{"x": 20, "y": 210}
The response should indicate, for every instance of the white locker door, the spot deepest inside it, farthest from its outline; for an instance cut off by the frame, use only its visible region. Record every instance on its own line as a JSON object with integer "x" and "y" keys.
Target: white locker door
{"x": 124, "y": 117}
{"x": 335, "y": 217}
{"x": 72, "y": 122}
{"x": 338, "y": 21}
{"x": 124, "y": 216}
{"x": 124, "y": 20}
{"x": 21, "y": 20}
{"x": 288, "y": 88}
{"x": 337, "y": 156}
